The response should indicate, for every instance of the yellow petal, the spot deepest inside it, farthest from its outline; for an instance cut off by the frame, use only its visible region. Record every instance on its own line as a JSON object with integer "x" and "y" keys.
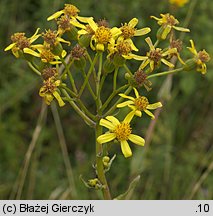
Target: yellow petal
{"x": 128, "y": 97}
{"x": 149, "y": 42}
{"x": 55, "y": 15}
{"x": 106, "y": 138}
{"x": 138, "y": 113}
{"x": 35, "y": 36}
{"x": 142, "y": 31}
{"x": 107, "y": 124}
{"x": 136, "y": 139}
{"x": 84, "y": 19}
{"x": 31, "y": 52}
{"x": 82, "y": 32}
{"x": 136, "y": 92}
{"x": 132, "y": 45}
{"x": 169, "y": 51}
{"x": 64, "y": 53}
{"x": 63, "y": 41}
{"x": 126, "y": 103}
{"x": 154, "y": 105}
{"x": 115, "y": 31}
{"x": 144, "y": 64}
{"x": 10, "y": 47}
{"x": 152, "y": 65}
{"x": 99, "y": 47}
{"x": 92, "y": 24}
{"x": 181, "y": 29}
{"x": 114, "y": 121}
{"x": 133, "y": 22}
{"x": 126, "y": 150}
{"x": 149, "y": 113}
{"x": 58, "y": 98}
{"x": 41, "y": 91}
{"x": 166, "y": 31}
{"x": 57, "y": 82}
{"x": 129, "y": 117}
{"x": 167, "y": 63}
{"x": 154, "y": 17}
{"x": 48, "y": 98}
{"x": 136, "y": 57}
{"x": 192, "y": 48}
{"x": 77, "y": 24}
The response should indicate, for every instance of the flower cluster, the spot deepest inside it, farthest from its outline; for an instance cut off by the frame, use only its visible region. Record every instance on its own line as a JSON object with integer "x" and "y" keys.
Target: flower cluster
{"x": 98, "y": 50}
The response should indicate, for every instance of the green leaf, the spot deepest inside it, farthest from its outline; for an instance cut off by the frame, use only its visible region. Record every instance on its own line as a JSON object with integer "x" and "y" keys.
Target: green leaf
{"x": 127, "y": 195}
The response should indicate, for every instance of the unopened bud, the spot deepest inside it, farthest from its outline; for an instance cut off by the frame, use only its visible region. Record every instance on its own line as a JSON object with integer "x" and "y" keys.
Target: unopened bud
{"x": 108, "y": 66}
{"x": 190, "y": 65}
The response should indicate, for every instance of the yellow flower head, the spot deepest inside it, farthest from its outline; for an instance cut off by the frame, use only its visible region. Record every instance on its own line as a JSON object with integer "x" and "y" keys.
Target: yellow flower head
{"x": 101, "y": 36}
{"x": 20, "y": 42}
{"x": 129, "y": 30}
{"x": 200, "y": 58}
{"x": 124, "y": 48}
{"x": 120, "y": 131}
{"x": 49, "y": 90}
{"x": 139, "y": 104}
{"x": 70, "y": 11}
{"x": 45, "y": 54}
{"x": 156, "y": 55}
{"x": 179, "y": 3}
{"x": 168, "y": 22}
{"x": 52, "y": 39}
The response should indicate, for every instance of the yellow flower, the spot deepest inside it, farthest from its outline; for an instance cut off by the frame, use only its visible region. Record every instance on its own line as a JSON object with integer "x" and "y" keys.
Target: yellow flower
{"x": 129, "y": 30}
{"x": 120, "y": 131}
{"x": 139, "y": 104}
{"x": 156, "y": 55}
{"x": 70, "y": 11}
{"x": 49, "y": 90}
{"x": 52, "y": 39}
{"x": 168, "y": 22}
{"x": 100, "y": 35}
{"x": 20, "y": 42}
{"x": 200, "y": 58}
{"x": 45, "y": 54}
{"x": 179, "y": 3}
{"x": 124, "y": 48}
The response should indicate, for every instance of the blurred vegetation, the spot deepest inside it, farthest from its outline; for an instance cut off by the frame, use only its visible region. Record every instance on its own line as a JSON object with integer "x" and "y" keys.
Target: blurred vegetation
{"x": 177, "y": 163}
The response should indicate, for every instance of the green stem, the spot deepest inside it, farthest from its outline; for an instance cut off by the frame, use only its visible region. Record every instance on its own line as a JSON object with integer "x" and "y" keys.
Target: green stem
{"x": 90, "y": 60}
{"x": 87, "y": 112}
{"x": 165, "y": 73}
{"x": 34, "y": 69}
{"x": 110, "y": 98}
{"x": 68, "y": 67}
{"x": 112, "y": 109}
{"x": 128, "y": 70}
{"x": 156, "y": 43}
{"x": 70, "y": 75}
{"x": 99, "y": 165}
{"x": 87, "y": 77}
{"x": 98, "y": 101}
{"x": 70, "y": 91}
{"x": 115, "y": 78}
{"x": 88, "y": 85}
{"x": 76, "y": 108}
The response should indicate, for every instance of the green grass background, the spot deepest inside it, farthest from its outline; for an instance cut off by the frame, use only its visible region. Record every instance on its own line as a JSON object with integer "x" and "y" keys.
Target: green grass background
{"x": 178, "y": 162}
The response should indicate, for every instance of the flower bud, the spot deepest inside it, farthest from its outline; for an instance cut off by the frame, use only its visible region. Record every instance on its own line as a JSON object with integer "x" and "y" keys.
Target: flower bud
{"x": 108, "y": 66}
{"x": 118, "y": 60}
{"x": 162, "y": 32}
{"x": 190, "y": 65}
{"x": 57, "y": 50}
{"x": 84, "y": 40}
{"x": 73, "y": 33}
